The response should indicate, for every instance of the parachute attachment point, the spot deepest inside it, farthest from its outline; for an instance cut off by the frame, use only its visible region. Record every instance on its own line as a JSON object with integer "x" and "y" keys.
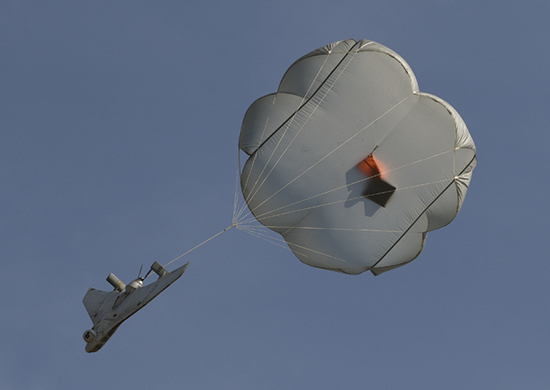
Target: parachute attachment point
{"x": 378, "y": 190}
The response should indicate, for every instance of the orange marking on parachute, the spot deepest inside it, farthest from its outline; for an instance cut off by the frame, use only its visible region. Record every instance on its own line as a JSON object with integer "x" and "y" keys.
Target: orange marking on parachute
{"x": 377, "y": 189}
{"x": 370, "y": 167}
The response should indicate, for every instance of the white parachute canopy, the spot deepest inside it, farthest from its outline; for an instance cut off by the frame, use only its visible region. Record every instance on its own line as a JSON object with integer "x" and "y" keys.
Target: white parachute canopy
{"x": 350, "y": 163}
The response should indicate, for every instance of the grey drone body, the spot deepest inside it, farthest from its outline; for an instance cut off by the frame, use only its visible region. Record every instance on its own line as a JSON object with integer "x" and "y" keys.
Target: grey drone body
{"x": 108, "y": 310}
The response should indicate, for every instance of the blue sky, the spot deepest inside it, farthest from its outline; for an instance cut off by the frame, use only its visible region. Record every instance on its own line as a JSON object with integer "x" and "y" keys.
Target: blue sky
{"x": 119, "y": 124}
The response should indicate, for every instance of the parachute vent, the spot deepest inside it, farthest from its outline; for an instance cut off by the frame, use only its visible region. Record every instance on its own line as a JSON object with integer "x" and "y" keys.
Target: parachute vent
{"x": 378, "y": 190}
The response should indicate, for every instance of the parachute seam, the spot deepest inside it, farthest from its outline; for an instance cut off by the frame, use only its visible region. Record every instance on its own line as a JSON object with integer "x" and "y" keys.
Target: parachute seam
{"x": 255, "y": 190}
{"x": 286, "y": 123}
{"x": 331, "y": 152}
{"x": 420, "y": 215}
{"x": 327, "y": 53}
{"x": 308, "y": 100}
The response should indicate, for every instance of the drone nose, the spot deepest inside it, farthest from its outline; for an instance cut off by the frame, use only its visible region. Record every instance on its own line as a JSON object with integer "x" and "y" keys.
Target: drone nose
{"x": 89, "y": 335}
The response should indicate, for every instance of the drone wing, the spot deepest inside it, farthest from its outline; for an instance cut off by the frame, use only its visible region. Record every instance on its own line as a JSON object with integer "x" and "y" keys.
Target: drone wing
{"x": 94, "y": 302}
{"x": 142, "y": 296}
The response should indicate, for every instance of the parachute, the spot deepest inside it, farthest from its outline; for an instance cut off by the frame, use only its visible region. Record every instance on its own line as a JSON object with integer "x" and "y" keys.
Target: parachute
{"x": 350, "y": 163}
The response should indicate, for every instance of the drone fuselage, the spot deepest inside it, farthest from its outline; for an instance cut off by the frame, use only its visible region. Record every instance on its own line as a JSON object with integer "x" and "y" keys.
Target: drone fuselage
{"x": 108, "y": 310}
